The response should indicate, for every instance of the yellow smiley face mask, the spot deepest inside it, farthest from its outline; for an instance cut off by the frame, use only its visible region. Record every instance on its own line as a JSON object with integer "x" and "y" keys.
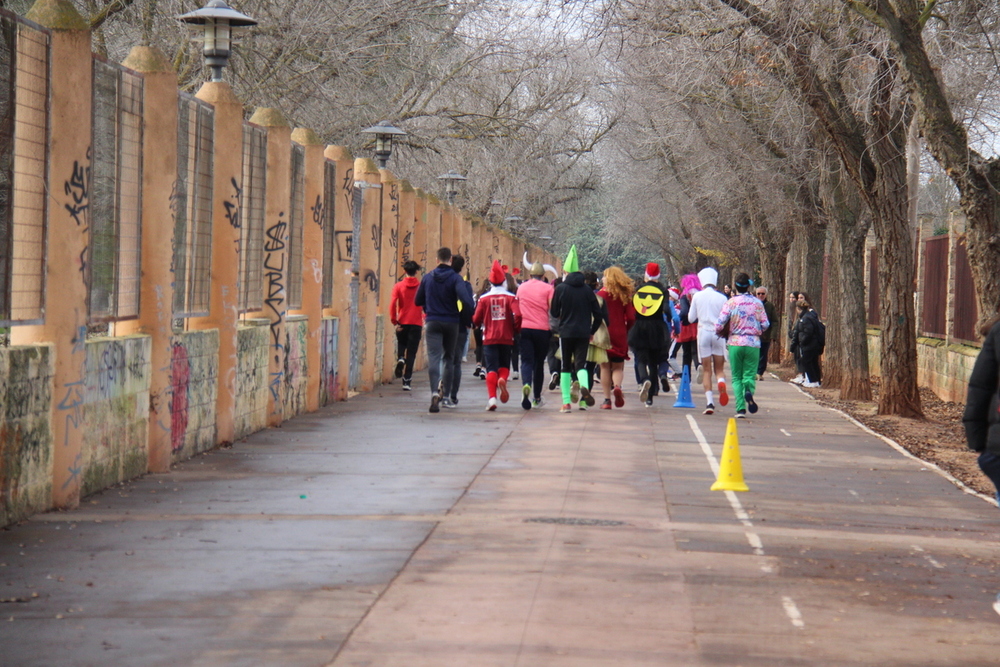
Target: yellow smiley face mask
{"x": 648, "y": 299}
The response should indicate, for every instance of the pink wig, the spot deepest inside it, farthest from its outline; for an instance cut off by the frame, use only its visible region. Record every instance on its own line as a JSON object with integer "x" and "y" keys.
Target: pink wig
{"x": 690, "y": 284}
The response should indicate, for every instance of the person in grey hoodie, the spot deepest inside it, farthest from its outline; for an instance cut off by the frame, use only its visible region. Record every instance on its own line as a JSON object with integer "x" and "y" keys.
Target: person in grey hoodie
{"x": 439, "y": 294}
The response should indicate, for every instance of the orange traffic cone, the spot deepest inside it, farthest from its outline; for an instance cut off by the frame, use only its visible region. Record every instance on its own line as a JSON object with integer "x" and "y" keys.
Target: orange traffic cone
{"x": 730, "y": 467}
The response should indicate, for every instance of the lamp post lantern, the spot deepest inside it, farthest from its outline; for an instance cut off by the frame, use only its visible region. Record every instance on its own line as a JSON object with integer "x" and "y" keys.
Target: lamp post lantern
{"x": 384, "y": 132}
{"x": 218, "y": 20}
{"x": 451, "y": 181}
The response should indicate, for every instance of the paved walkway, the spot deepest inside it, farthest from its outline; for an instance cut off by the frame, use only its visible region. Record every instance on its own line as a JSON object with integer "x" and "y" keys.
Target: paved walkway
{"x": 374, "y": 533}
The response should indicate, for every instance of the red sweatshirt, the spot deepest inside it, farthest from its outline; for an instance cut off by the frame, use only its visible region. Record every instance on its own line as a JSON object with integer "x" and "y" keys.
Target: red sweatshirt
{"x": 402, "y": 310}
{"x": 499, "y": 315}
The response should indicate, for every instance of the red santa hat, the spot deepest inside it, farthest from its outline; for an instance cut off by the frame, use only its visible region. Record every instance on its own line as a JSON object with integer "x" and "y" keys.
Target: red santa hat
{"x": 497, "y": 276}
{"x": 674, "y": 294}
{"x": 516, "y": 271}
{"x": 652, "y": 271}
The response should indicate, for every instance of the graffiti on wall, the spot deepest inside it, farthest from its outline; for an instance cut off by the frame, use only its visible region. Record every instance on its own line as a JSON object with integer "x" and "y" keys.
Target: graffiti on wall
{"x": 180, "y": 371}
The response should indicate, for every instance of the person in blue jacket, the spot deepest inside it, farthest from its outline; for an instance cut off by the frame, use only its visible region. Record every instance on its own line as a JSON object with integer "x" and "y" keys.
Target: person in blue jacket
{"x": 439, "y": 294}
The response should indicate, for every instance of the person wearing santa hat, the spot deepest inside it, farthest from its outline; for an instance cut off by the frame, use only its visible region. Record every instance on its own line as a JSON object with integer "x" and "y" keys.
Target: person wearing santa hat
{"x": 649, "y": 338}
{"x": 706, "y": 306}
{"x": 500, "y": 317}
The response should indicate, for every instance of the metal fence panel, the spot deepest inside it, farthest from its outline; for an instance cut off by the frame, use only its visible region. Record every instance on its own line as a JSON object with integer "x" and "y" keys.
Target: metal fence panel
{"x": 966, "y": 306}
{"x": 296, "y": 222}
{"x": 252, "y": 210}
{"x": 935, "y": 287}
{"x": 191, "y": 203}
{"x": 329, "y": 237}
{"x": 113, "y": 270}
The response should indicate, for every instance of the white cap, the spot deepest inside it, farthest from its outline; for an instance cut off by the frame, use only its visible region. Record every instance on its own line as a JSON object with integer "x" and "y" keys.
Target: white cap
{"x": 708, "y": 276}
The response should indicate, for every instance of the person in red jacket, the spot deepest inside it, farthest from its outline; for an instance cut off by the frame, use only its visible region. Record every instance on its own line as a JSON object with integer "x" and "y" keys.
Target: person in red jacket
{"x": 408, "y": 318}
{"x": 500, "y": 317}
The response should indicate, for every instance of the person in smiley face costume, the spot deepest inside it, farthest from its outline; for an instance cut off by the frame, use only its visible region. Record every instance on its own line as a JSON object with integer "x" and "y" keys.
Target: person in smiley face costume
{"x": 649, "y": 338}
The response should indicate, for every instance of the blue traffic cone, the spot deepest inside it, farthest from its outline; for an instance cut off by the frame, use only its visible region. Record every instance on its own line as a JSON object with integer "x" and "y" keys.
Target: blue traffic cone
{"x": 684, "y": 393}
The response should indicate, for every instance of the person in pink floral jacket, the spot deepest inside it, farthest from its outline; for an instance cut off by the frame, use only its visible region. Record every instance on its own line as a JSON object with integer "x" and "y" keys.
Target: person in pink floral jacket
{"x": 747, "y": 321}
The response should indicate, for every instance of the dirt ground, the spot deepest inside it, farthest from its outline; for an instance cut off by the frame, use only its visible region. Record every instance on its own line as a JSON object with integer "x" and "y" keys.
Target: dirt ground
{"x": 938, "y": 439}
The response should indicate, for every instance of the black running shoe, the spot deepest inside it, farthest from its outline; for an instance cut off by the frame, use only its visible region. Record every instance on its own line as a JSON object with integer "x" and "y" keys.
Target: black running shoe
{"x": 751, "y": 404}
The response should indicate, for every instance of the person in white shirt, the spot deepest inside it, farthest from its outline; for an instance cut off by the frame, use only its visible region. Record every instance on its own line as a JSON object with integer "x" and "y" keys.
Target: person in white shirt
{"x": 706, "y": 306}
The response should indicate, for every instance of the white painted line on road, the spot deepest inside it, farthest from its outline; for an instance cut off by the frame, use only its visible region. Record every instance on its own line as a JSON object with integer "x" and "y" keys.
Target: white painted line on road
{"x": 741, "y": 514}
{"x": 785, "y": 432}
{"x": 930, "y": 559}
{"x": 793, "y": 612}
{"x": 853, "y": 493}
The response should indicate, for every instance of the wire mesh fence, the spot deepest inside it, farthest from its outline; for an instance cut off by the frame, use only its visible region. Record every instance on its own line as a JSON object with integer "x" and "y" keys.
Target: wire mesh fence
{"x": 191, "y": 203}
{"x": 113, "y": 268}
{"x": 329, "y": 236}
{"x": 252, "y": 209}
{"x": 24, "y": 126}
{"x": 296, "y": 220}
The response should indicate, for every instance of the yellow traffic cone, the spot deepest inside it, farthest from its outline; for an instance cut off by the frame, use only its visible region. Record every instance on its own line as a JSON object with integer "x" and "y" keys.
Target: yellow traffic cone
{"x": 730, "y": 468}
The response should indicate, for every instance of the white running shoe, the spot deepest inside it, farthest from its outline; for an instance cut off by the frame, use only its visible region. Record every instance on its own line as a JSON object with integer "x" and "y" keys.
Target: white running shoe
{"x": 491, "y": 405}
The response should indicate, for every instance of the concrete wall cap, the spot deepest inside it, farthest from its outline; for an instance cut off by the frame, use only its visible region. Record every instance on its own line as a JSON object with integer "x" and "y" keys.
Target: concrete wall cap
{"x": 338, "y": 153}
{"x": 148, "y": 60}
{"x": 57, "y": 15}
{"x": 405, "y": 186}
{"x": 365, "y": 165}
{"x": 305, "y": 137}
{"x": 267, "y": 117}
{"x": 218, "y": 93}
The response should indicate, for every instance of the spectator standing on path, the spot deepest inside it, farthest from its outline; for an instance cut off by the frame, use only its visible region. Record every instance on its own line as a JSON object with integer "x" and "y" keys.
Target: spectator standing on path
{"x": 809, "y": 340}
{"x": 706, "y": 306}
{"x": 747, "y": 320}
{"x": 439, "y": 295}
{"x": 450, "y": 399}
{"x": 617, "y": 295}
{"x": 579, "y": 316}
{"x": 793, "y": 346}
{"x": 982, "y": 405}
{"x": 649, "y": 337}
{"x": 497, "y": 313}
{"x": 408, "y": 318}
{"x": 534, "y": 297}
{"x": 768, "y": 335}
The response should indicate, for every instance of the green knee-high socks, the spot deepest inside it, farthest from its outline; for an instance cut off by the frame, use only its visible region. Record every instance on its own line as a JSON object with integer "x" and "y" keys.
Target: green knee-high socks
{"x": 584, "y": 378}
{"x": 565, "y": 382}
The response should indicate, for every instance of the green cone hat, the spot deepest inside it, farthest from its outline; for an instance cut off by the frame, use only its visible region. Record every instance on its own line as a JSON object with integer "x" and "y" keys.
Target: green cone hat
{"x": 572, "y": 264}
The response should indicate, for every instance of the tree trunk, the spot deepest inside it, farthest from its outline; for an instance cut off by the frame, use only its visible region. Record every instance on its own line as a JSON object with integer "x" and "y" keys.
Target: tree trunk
{"x": 833, "y": 315}
{"x": 855, "y": 382}
{"x": 982, "y": 235}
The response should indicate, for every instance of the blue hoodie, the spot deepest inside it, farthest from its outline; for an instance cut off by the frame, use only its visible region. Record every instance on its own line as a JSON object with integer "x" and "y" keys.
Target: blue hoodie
{"x": 440, "y": 293}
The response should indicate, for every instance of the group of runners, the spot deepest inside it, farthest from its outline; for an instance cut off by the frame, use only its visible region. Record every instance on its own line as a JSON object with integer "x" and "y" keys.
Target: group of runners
{"x": 585, "y": 331}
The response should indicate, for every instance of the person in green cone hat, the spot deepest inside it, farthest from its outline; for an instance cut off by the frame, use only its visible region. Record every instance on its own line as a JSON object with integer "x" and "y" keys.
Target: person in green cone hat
{"x": 579, "y": 316}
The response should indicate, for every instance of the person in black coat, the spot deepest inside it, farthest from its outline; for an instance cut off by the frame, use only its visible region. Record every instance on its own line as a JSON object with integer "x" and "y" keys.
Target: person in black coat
{"x": 981, "y": 419}
{"x": 808, "y": 343}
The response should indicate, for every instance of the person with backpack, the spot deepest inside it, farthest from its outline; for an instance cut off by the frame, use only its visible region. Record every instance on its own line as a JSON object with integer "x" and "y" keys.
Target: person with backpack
{"x": 810, "y": 339}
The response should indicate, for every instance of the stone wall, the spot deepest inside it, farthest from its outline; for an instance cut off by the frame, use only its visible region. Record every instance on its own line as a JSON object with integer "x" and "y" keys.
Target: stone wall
{"x": 25, "y": 435}
{"x": 252, "y": 345}
{"x": 329, "y": 380}
{"x": 941, "y": 366}
{"x": 296, "y": 372}
{"x": 115, "y": 412}
{"x": 194, "y": 368}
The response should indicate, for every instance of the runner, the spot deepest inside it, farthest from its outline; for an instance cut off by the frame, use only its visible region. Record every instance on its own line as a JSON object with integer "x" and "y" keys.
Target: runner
{"x": 706, "y": 306}
{"x": 408, "y": 318}
{"x": 534, "y": 298}
{"x": 498, "y": 314}
{"x": 747, "y": 320}
{"x": 649, "y": 338}
{"x": 575, "y": 307}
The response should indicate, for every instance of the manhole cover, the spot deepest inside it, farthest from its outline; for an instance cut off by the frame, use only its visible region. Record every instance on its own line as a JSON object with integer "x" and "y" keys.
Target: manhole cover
{"x": 570, "y": 521}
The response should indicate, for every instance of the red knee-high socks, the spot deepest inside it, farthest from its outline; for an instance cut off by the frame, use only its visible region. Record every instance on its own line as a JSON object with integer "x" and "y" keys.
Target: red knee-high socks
{"x": 491, "y": 384}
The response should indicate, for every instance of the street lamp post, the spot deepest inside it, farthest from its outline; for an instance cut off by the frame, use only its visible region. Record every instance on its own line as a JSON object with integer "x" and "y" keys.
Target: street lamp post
{"x": 451, "y": 181}
{"x": 384, "y": 132}
{"x": 218, "y": 20}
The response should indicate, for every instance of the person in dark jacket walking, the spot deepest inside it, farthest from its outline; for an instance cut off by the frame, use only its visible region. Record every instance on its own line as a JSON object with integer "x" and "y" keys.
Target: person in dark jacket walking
{"x": 981, "y": 418}
{"x": 808, "y": 342}
{"x": 575, "y": 307}
{"x": 450, "y": 399}
{"x": 439, "y": 295}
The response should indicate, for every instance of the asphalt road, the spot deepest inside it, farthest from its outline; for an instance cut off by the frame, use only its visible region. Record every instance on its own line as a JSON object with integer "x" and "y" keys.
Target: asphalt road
{"x": 374, "y": 533}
